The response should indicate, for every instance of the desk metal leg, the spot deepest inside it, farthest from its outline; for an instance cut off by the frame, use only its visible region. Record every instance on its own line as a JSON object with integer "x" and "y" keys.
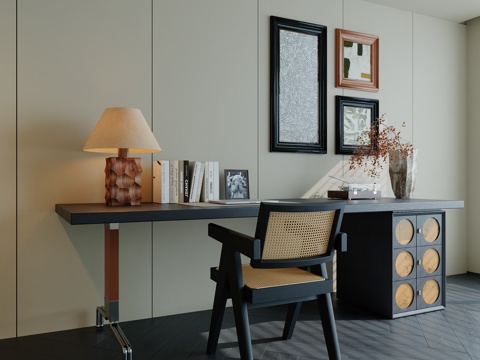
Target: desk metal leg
{"x": 110, "y": 310}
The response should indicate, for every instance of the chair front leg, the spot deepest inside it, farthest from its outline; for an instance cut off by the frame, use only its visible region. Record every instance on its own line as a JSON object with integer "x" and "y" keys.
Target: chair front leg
{"x": 329, "y": 328}
{"x": 219, "y": 303}
{"x": 240, "y": 308}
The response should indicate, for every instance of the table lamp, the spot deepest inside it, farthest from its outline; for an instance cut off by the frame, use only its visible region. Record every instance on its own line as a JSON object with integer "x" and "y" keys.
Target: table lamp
{"x": 122, "y": 130}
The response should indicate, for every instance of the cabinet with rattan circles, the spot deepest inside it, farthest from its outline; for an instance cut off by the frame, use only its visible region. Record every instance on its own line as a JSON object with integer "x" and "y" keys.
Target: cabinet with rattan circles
{"x": 400, "y": 257}
{"x": 417, "y": 256}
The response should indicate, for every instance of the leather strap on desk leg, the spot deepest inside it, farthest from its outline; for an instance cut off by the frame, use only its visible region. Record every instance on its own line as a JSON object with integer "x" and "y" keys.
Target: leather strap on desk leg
{"x": 112, "y": 262}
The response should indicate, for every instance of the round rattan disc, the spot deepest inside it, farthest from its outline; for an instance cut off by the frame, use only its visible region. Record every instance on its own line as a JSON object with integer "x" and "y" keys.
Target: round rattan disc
{"x": 431, "y": 230}
{"x": 404, "y": 296}
{"x": 404, "y": 263}
{"x": 431, "y": 291}
{"x": 431, "y": 260}
{"x": 404, "y": 231}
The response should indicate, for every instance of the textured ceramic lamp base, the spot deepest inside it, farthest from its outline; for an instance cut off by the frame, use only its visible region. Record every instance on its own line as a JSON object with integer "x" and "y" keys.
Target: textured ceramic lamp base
{"x": 122, "y": 181}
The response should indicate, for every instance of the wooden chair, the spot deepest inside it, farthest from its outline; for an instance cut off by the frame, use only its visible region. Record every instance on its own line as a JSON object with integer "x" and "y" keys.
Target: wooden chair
{"x": 288, "y": 256}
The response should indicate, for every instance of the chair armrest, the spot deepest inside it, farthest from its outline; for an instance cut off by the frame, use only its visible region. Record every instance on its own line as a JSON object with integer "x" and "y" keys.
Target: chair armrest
{"x": 341, "y": 242}
{"x": 245, "y": 244}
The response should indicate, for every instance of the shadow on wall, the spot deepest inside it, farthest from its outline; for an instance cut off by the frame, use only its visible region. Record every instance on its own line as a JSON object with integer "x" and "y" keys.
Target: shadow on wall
{"x": 341, "y": 171}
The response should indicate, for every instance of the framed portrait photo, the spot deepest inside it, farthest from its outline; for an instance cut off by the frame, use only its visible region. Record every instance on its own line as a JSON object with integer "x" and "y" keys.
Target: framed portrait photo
{"x": 356, "y": 60}
{"x": 353, "y": 117}
{"x": 236, "y": 184}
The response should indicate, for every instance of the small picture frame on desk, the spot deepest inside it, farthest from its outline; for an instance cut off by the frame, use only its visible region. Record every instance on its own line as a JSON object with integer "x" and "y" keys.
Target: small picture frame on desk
{"x": 236, "y": 184}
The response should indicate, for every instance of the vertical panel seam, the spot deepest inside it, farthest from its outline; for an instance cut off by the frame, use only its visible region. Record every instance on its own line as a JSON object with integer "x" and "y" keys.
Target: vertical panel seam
{"x": 16, "y": 168}
{"x": 413, "y": 77}
{"x": 151, "y": 162}
{"x": 343, "y": 90}
{"x": 258, "y": 99}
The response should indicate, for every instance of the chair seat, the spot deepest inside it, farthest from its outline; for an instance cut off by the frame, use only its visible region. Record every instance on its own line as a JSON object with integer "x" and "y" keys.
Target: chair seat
{"x": 265, "y": 278}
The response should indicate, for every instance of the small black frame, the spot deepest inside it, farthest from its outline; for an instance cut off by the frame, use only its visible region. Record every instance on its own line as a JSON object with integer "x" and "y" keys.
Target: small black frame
{"x": 292, "y": 130}
{"x": 236, "y": 184}
{"x": 353, "y": 115}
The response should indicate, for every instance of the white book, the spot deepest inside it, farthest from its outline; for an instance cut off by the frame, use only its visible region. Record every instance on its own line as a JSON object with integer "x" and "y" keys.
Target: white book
{"x": 199, "y": 181}
{"x": 210, "y": 180}
{"x": 193, "y": 175}
{"x": 165, "y": 199}
{"x": 216, "y": 181}
{"x": 173, "y": 183}
{"x": 196, "y": 181}
{"x": 161, "y": 181}
{"x": 157, "y": 182}
{"x": 205, "y": 194}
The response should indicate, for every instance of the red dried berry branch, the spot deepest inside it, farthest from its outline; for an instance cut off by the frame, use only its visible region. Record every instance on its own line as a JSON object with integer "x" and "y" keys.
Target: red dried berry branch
{"x": 375, "y": 145}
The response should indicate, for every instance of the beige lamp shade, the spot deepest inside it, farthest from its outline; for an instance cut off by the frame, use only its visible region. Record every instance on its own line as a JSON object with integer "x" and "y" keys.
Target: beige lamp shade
{"x": 122, "y": 128}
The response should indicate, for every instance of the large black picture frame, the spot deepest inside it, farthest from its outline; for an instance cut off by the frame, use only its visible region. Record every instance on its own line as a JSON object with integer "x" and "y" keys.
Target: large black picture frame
{"x": 298, "y": 80}
{"x": 353, "y": 116}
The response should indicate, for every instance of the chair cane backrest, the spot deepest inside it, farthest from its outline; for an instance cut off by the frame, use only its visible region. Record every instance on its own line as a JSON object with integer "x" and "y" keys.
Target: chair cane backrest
{"x": 297, "y": 232}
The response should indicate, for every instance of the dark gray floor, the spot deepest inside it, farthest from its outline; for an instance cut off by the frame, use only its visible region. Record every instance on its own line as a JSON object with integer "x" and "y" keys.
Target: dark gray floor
{"x": 450, "y": 334}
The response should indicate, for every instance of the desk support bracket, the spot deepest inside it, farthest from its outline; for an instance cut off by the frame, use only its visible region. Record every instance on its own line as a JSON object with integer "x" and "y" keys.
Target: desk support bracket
{"x": 111, "y": 309}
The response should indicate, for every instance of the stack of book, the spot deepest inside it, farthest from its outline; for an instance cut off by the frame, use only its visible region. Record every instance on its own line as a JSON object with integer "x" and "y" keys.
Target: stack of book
{"x": 181, "y": 181}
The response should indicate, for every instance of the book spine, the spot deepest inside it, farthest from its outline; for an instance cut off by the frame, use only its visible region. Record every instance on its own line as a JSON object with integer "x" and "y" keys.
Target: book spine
{"x": 157, "y": 182}
{"x": 216, "y": 180}
{"x": 180, "y": 183}
{"x": 173, "y": 181}
{"x": 204, "y": 193}
{"x": 165, "y": 181}
{"x": 186, "y": 181}
{"x": 199, "y": 181}
{"x": 193, "y": 181}
{"x": 211, "y": 170}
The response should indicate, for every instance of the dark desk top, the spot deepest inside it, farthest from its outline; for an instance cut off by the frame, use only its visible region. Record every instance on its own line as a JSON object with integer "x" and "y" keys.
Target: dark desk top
{"x": 80, "y": 214}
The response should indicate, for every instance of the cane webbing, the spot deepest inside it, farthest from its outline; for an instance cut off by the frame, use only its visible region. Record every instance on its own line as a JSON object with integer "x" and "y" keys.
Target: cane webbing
{"x": 297, "y": 234}
{"x": 264, "y": 278}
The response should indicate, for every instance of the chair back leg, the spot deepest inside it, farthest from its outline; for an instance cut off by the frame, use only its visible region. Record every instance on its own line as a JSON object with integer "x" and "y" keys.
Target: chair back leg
{"x": 329, "y": 328}
{"x": 291, "y": 320}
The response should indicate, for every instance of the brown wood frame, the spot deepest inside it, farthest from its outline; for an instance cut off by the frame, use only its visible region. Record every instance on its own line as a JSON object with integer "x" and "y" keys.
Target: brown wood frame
{"x": 345, "y": 35}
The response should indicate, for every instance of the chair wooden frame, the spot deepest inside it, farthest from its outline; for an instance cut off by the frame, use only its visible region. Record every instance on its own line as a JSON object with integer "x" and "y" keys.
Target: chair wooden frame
{"x": 229, "y": 276}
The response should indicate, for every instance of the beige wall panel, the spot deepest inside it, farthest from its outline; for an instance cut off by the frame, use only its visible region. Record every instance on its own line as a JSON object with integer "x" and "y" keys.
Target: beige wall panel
{"x": 74, "y": 59}
{"x": 205, "y": 82}
{"x": 440, "y": 122}
{"x": 285, "y": 174}
{"x": 182, "y": 263}
{"x": 473, "y": 153}
{"x": 395, "y": 69}
{"x": 205, "y": 108}
{"x": 8, "y": 160}
{"x": 206, "y": 95}
{"x": 395, "y": 63}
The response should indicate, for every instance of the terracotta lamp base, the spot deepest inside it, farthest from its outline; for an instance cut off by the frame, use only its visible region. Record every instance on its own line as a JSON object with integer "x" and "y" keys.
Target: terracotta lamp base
{"x": 122, "y": 181}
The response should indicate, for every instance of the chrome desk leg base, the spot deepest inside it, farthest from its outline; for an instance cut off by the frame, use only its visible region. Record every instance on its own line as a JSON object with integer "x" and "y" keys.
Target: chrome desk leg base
{"x": 117, "y": 331}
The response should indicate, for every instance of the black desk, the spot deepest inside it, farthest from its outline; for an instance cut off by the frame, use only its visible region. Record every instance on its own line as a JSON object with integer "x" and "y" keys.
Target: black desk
{"x": 111, "y": 217}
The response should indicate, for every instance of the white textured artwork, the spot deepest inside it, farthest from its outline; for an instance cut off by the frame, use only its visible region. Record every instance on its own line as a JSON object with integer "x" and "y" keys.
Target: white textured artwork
{"x": 299, "y": 89}
{"x": 356, "y": 61}
{"x": 355, "y": 121}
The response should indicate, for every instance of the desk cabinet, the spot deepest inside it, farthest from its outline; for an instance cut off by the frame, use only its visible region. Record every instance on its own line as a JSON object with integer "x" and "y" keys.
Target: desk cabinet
{"x": 400, "y": 259}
